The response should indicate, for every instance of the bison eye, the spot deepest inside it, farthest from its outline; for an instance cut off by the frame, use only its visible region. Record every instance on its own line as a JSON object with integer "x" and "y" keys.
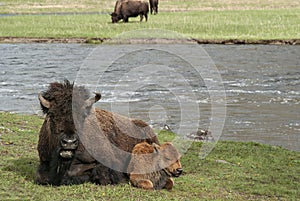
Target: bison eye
{"x": 64, "y": 141}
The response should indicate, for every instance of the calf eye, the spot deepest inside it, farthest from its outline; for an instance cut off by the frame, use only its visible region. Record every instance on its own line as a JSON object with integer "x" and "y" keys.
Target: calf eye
{"x": 167, "y": 158}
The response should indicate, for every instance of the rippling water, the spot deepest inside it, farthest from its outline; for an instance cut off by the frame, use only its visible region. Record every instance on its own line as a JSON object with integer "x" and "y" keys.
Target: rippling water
{"x": 262, "y": 85}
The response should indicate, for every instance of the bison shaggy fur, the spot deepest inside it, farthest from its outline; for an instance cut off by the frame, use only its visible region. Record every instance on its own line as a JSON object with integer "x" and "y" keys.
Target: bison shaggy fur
{"x": 130, "y": 8}
{"x": 152, "y": 166}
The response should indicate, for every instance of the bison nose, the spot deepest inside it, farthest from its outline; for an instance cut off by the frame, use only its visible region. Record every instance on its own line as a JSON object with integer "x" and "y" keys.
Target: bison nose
{"x": 68, "y": 142}
{"x": 179, "y": 171}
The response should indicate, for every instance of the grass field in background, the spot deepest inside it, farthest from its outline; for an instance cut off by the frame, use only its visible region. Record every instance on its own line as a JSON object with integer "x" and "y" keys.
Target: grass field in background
{"x": 46, "y": 6}
{"x": 250, "y": 24}
{"x": 232, "y": 171}
{"x": 218, "y": 19}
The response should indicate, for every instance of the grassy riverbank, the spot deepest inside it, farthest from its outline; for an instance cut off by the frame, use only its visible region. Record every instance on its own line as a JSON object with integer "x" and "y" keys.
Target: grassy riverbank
{"x": 252, "y": 171}
{"x": 209, "y": 20}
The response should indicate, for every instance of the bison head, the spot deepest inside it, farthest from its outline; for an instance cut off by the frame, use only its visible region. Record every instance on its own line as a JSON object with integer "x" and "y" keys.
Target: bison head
{"x": 63, "y": 105}
{"x": 114, "y": 17}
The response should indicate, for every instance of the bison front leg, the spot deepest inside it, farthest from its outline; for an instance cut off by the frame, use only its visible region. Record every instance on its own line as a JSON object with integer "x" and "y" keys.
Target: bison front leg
{"x": 103, "y": 175}
{"x": 141, "y": 17}
{"x": 125, "y": 18}
{"x": 42, "y": 175}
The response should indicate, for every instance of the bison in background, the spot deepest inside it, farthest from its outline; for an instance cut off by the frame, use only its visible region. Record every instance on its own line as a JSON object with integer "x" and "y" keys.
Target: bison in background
{"x": 127, "y": 8}
{"x": 153, "y": 6}
{"x": 152, "y": 166}
{"x": 79, "y": 143}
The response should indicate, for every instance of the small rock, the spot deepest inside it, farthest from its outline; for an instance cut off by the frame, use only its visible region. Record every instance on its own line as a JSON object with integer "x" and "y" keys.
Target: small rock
{"x": 201, "y": 135}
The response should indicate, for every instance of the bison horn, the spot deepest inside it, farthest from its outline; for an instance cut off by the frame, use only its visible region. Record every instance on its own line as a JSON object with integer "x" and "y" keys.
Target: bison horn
{"x": 43, "y": 101}
{"x": 97, "y": 97}
{"x": 89, "y": 102}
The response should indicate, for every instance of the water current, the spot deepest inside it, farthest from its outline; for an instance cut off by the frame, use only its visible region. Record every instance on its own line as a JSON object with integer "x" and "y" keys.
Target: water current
{"x": 255, "y": 87}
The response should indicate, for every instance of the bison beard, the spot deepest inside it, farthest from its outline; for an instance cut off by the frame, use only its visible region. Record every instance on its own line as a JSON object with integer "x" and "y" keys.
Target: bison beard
{"x": 64, "y": 157}
{"x": 58, "y": 169}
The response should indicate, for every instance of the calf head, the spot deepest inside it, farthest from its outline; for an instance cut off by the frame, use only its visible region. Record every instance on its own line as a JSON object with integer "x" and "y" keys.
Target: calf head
{"x": 169, "y": 159}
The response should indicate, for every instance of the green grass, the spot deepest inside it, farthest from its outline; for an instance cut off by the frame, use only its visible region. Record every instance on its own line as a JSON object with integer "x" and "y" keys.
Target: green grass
{"x": 47, "y": 6}
{"x": 253, "y": 172}
{"x": 199, "y": 19}
{"x": 247, "y": 25}
{"x": 38, "y": 6}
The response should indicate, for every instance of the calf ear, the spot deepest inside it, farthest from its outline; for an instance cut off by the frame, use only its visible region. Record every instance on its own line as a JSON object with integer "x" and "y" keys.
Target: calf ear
{"x": 156, "y": 147}
{"x": 44, "y": 103}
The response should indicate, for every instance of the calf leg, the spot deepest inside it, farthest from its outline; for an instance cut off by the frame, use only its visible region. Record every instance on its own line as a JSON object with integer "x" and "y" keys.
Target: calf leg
{"x": 169, "y": 185}
{"x": 144, "y": 184}
{"x": 138, "y": 181}
{"x": 141, "y": 17}
{"x": 103, "y": 175}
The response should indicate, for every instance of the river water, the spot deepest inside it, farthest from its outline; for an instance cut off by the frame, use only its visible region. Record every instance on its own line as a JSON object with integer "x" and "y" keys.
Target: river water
{"x": 253, "y": 89}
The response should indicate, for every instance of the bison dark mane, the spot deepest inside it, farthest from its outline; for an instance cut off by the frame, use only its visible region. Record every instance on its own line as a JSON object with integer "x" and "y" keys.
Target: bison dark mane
{"x": 60, "y": 94}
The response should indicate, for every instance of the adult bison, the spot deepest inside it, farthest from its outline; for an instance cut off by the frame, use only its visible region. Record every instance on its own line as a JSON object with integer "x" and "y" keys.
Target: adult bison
{"x": 126, "y": 8}
{"x": 153, "y": 6}
{"x": 79, "y": 143}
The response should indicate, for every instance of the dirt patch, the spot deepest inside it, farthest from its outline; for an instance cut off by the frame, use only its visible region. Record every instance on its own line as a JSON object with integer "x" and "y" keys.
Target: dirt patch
{"x": 41, "y": 40}
{"x": 244, "y": 42}
{"x": 147, "y": 41}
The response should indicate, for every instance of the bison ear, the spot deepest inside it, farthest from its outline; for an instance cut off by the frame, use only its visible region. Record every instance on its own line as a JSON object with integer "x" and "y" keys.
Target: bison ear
{"x": 45, "y": 103}
{"x": 97, "y": 97}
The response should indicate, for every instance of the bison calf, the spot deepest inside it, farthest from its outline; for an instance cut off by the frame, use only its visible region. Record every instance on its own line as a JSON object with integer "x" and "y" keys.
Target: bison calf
{"x": 152, "y": 166}
{"x": 126, "y": 9}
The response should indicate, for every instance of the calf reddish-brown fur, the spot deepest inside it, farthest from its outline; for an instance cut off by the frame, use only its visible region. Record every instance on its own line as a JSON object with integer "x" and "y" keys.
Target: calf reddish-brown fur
{"x": 152, "y": 166}
{"x": 105, "y": 139}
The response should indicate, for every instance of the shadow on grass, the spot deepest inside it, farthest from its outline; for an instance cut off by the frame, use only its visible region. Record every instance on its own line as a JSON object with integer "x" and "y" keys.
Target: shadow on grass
{"x": 23, "y": 167}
